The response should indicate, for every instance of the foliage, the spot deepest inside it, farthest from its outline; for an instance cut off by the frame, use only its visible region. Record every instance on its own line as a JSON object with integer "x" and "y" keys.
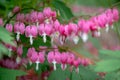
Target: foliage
{"x": 110, "y": 64}
{"x": 66, "y": 74}
{"x": 6, "y": 37}
{"x": 6, "y": 74}
{"x": 64, "y": 11}
{"x": 110, "y": 59}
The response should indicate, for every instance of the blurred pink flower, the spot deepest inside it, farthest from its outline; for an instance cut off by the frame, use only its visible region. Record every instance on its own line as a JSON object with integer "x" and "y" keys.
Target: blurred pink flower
{"x": 19, "y": 28}
{"x": 31, "y": 31}
{"x": 16, "y": 9}
{"x": 9, "y": 27}
{"x": 1, "y": 22}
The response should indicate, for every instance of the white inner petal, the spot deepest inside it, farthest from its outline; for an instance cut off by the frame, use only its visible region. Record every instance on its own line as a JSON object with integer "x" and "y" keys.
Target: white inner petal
{"x": 53, "y": 36}
{"x": 44, "y": 37}
{"x": 31, "y": 40}
{"x": 61, "y": 40}
{"x": 84, "y": 37}
{"x": 107, "y": 28}
{"x": 77, "y": 70}
{"x": 54, "y": 64}
{"x": 18, "y": 59}
{"x": 63, "y": 66}
{"x": 37, "y": 24}
{"x": 37, "y": 65}
{"x": 99, "y": 33}
{"x": 30, "y": 62}
{"x": 76, "y": 39}
{"x": 18, "y": 36}
{"x": 47, "y": 21}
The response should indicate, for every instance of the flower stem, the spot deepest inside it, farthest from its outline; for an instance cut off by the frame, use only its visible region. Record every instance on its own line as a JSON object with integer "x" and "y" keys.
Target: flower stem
{"x": 116, "y": 4}
{"x": 10, "y": 19}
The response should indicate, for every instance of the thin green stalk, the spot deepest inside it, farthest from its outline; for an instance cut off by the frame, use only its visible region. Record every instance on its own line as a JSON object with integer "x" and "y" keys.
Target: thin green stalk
{"x": 71, "y": 75}
{"x": 81, "y": 77}
{"x": 9, "y": 19}
{"x": 118, "y": 32}
{"x": 116, "y": 4}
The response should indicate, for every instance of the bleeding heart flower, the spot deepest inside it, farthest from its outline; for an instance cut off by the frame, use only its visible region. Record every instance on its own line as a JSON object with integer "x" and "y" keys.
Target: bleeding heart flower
{"x": 31, "y": 31}
{"x": 9, "y": 27}
{"x": 45, "y": 30}
{"x": 1, "y": 21}
{"x": 76, "y": 63}
{"x": 54, "y": 57}
{"x": 16, "y": 9}
{"x": 20, "y": 17}
{"x": 64, "y": 59}
{"x": 19, "y": 28}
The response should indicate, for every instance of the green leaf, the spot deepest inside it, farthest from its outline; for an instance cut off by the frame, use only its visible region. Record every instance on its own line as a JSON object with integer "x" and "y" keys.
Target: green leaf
{"x": 5, "y": 36}
{"x": 110, "y": 76}
{"x": 96, "y": 3}
{"x": 3, "y": 49}
{"x": 25, "y": 49}
{"x": 108, "y": 65}
{"x": 87, "y": 74}
{"x": 6, "y": 74}
{"x": 65, "y": 12}
{"x": 95, "y": 42}
{"x": 59, "y": 74}
{"x": 111, "y": 53}
{"x": 76, "y": 76}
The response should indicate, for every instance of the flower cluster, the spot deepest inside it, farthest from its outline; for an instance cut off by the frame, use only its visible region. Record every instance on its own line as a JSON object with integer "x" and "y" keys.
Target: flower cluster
{"x": 46, "y": 24}
{"x": 56, "y": 57}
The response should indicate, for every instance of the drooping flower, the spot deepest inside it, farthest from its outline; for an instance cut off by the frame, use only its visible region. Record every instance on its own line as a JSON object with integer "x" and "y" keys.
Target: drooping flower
{"x": 45, "y": 30}
{"x": 56, "y": 25}
{"x": 55, "y": 34}
{"x": 20, "y": 17}
{"x": 9, "y": 63}
{"x": 72, "y": 32}
{"x": 37, "y": 58}
{"x": 31, "y": 31}
{"x": 115, "y": 13}
{"x": 54, "y": 57}
{"x": 30, "y": 51}
{"x": 47, "y": 12}
{"x": 76, "y": 64}
{"x": 9, "y": 27}
{"x": 10, "y": 48}
{"x": 84, "y": 28}
{"x": 64, "y": 58}
{"x": 62, "y": 36}
{"x": 1, "y": 21}
{"x": 34, "y": 16}
{"x": 19, "y": 28}
{"x": 85, "y": 62}
{"x": 70, "y": 60}
{"x": 49, "y": 15}
{"x": 41, "y": 59}
{"x": 20, "y": 50}
{"x": 27, "y": 18}
{"x": 40, "y": 17}
{"x": 16, "y": 9}
{"x": 19, "y": 53}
